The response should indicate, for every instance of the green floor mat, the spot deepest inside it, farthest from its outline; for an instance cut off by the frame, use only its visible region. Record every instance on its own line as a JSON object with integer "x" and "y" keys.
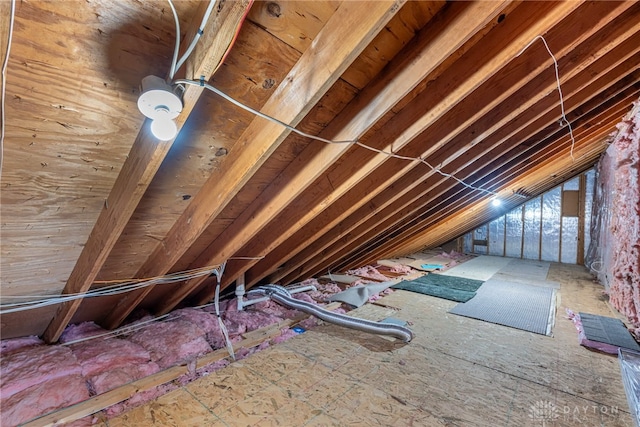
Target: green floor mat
{"x": 453, "y": 288}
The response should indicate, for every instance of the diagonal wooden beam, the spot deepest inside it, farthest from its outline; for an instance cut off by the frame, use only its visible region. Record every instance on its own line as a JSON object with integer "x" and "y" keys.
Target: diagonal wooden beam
{"x": 343, "y": 38}
{"x": 143, "y": 161}
{"x": 456, "y": 25}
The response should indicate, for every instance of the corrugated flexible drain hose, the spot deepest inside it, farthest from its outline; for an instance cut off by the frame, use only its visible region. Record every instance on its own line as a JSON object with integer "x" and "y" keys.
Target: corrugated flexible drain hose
{"x": 280, "y": 296}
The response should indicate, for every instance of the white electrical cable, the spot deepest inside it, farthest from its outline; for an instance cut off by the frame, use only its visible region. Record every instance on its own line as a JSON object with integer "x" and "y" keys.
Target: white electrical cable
{"x": 555, "y": 64}
{"x": 107, "y": 290}
{"x": 189, "y": 50}
{"x": 216, "y": 301}
{"x": 328, "y": 141}
{"x": 5, "y": 63}
{"x": 176, "y": 48}
{"x": 121, "y": 331}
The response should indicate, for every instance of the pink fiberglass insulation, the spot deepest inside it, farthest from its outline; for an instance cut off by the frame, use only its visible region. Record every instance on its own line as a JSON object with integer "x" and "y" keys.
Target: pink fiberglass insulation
{"x": 206, "y": 321}
{"x": 614, "y": 253}
{"x": 324, "y": 291}
{"x": 275, "y": 309}
{"x": 110, "y": 363}
{"x": 285, "y": 334}
{"x": 13, "y": 344}
{"x": 172, "y": 342}
{"x": 42, "y": 398}
{"x": 249, "y": 319}
{"x": 34, "y": 365}
{"x": 359, "y": 282}
{"x": 305, "y": 298}
{"x": 81, "y": 331}
{"x": 369, "y": 272}
{"x": 402, "y": 269}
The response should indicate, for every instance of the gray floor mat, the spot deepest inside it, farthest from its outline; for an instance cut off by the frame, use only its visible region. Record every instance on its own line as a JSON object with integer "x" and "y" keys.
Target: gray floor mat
{"x": 607, "y": 330}
{"x": 531, "y": 269}
{"x": 520, "y": 306}
{"x": 480, "y": 268}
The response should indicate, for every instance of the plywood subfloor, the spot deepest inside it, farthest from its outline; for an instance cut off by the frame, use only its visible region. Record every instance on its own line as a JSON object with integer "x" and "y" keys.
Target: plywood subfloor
{"x": 456, "y": 372}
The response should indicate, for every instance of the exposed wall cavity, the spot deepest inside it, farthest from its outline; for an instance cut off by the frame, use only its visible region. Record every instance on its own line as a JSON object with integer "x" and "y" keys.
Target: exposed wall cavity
{"x": 614, "y": 253}
{"x": 551, "y": 227}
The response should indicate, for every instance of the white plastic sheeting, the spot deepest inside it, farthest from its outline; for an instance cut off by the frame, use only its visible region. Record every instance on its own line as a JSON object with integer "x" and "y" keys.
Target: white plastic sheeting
{"x": 630, "y": 367}
{"x": 538, "y": 229}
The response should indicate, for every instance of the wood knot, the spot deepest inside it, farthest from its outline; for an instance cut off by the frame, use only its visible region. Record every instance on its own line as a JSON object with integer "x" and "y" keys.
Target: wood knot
{"x": 273, "y": 9}
{"x": 268, "y": 83}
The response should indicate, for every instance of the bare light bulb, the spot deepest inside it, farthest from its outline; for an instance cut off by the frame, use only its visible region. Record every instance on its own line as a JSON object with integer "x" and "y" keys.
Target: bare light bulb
{"x": 164, "y": 129}
{"x": 496, "y": 202}
{"x": 161, "y": 104}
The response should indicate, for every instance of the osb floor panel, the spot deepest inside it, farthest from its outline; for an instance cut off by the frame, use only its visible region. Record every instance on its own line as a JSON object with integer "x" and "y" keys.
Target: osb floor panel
{"x": 456, "y": 372}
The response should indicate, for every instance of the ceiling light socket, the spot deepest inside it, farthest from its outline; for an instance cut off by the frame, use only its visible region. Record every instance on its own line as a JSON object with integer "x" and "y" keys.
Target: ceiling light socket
{"x": 158, "y": 99}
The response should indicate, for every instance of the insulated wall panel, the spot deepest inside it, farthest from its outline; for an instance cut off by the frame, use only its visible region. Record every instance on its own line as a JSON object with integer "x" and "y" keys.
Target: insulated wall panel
{"x": 569, "y": 250}
{"x": 532, "y": 218}
{"x": 541, "y": 228}
{"x": 496, "y": 236}
{"x": 468, "y": 242}
{"x": 514, "y": 233}
{"x": 551, "y": 225}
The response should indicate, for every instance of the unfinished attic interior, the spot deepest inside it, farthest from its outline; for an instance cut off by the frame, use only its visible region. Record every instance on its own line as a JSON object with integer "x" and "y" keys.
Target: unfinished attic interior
{"x": 239, "y": 212}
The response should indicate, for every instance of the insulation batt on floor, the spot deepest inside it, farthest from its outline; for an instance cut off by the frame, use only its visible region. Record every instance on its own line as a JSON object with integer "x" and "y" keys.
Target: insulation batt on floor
{"x": 368, "y": 272}
{"x": 614, "y": 253}
{"x": 38, "y": 378}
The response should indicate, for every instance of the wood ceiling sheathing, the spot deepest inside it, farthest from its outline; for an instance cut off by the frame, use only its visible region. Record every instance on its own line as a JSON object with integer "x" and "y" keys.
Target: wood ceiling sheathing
{"x": 199, "y": 153}
{"x": 439, "y": 223}
{"x": 475, "y": 109}
{"x": 65, "y": 147}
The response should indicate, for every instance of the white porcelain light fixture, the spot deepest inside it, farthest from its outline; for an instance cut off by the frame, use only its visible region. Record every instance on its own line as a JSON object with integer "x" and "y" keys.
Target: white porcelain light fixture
{"x": 161, "y": 104}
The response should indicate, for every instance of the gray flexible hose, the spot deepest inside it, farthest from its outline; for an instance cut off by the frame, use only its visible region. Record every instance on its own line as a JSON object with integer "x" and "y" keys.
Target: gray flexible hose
{"x": 280, "y": 297}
